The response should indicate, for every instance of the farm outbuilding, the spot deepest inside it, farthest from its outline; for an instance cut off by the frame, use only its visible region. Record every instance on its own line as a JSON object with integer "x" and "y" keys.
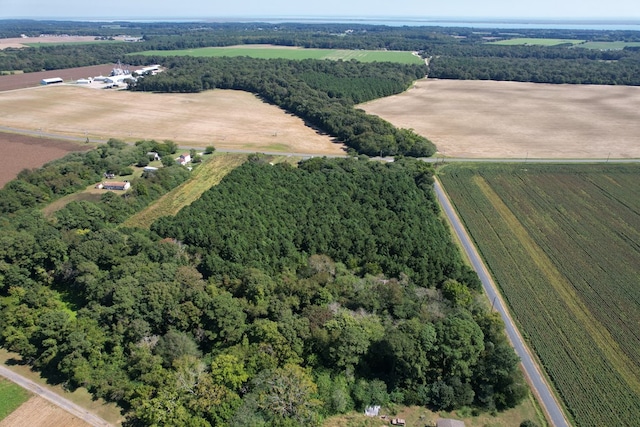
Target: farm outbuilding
{"x": 50, "y": 81}
{"x": 114, "y": 185}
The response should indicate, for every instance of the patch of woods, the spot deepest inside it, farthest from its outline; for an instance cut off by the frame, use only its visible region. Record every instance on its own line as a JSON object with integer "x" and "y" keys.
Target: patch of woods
{"x": 283, "y": 296}
{"x": 323, "y": 93}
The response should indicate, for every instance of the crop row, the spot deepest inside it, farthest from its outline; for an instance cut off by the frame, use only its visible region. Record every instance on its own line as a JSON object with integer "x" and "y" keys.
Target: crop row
{"x": 561, "y": 243}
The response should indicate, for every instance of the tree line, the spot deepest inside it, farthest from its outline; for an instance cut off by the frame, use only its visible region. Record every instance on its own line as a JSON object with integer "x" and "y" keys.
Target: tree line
{"x": 323, "y": 93}
{"x": 283, "y": 296}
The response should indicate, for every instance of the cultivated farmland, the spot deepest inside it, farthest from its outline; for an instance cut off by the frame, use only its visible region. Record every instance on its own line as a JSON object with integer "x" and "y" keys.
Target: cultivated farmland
{"x": 485, "y": 119}
{"x": 562, "y": 244}
{"x": 272, "y": 52}
{"x": 536, "y": 42}
{"x": 24, "y": 152}
{"x": 224, "y": 118}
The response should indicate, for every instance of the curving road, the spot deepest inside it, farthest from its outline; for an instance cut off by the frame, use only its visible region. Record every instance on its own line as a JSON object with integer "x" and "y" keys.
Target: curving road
{"x": 54, "y": 398}
{"x": 537, "y": 382}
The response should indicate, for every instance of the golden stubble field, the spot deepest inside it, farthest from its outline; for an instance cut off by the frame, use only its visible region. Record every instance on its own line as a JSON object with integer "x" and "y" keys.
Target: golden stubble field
{"x": 488, "y": 119}
{"x": 37, "y": 412}
{"x": 224, "y": 118}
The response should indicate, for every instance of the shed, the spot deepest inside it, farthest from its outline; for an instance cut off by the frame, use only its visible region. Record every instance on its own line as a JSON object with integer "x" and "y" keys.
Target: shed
{"x": 51, "y": 81}
{"x": 113, "y": 185}
{"x": 448, "y": 422}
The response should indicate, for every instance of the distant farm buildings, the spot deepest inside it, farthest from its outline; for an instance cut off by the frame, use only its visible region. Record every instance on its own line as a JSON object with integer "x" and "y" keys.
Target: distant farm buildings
{"x": 51, "y": 81}
{"x": 113, "y": 185}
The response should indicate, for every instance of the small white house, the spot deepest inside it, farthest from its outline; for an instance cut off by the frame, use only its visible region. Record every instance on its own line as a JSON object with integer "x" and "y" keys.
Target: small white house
{"x": 184, "y": 159}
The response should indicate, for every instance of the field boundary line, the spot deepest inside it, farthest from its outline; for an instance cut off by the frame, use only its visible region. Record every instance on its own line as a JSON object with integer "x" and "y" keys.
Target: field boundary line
{"x": 54, "y": 398}
{"x": 532, "y": 371}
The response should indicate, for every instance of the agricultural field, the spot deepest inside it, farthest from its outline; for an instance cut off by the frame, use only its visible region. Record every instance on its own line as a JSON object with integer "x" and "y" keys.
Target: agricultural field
{"x": 272, "y": 52}
{"x": 226, "y": 119}
{"x": 26, "y": 152}
{"x": 20, "y": 42}
{"x": 11, "y": 397}
{"x": 209, "y": 173}
{"x": 609, "y": 45}
{"x": 562, "y": 243}
{"x": 490, "y": 119}
{"x": 25, "y": 80}
{"x": 37, "y": 412}
{"x": 536, "y": 42}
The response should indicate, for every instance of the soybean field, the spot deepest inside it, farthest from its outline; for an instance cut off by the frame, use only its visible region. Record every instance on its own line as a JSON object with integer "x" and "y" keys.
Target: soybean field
{"x": 563, "y": 244}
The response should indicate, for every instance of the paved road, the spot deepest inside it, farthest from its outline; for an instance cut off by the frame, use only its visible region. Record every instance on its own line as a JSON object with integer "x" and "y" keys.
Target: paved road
{"x": 536, "y": 380}
{"x": 41, "y": 134}
{"x": 54, "y": 398}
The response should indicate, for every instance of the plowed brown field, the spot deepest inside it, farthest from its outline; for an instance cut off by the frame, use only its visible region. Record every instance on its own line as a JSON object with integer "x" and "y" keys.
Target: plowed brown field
{"x": 20, "y": 152}
{"x": 37, "y": 412}
{"x": 223, "y": 118}
{"x": 20, "y": 81}
{"x": 488, "y": 119}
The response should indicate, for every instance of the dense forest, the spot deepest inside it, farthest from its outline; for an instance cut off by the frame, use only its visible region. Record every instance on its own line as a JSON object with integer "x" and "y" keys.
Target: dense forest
{"x": 283, "y": 296}
{"x": 456, "y": 53}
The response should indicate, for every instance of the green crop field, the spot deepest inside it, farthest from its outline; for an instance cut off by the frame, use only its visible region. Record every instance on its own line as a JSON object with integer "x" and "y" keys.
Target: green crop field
{"x": 272, "y": 52}
{"x": 609, "y": 45}
{"x": 11, "y": 397}
{"x": 563, "y": 243}
{"x": 536, "y": 42}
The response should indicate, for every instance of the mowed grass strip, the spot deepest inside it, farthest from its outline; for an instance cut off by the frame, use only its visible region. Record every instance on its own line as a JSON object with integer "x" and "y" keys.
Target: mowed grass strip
{"x": 278, "y": 52}
{"x": 536, "y": 42}
{"x": 209, "y": 173}
{"x": 562, "y": 243}
{"x": 11, "y": 397}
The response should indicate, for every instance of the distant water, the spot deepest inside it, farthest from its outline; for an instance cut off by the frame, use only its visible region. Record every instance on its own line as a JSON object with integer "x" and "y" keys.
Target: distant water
{"x": 632, "y": 25}
{"x": 522, "y": 23}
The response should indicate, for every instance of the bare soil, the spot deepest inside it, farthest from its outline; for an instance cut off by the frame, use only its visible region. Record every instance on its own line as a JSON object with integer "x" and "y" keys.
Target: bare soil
{"x": 224, "y": 118}
{"x": 37, "y": 412}
{"x": 20, "y": 81}
{"x": 18, "y": 152}
{"x": 488, "y": 119}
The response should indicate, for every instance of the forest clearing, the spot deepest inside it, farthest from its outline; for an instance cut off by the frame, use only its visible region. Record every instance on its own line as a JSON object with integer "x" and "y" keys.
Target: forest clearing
{"x": 489, "y": 119}
{"x": 561, "y": 242}
{"x": 224, "y": 118}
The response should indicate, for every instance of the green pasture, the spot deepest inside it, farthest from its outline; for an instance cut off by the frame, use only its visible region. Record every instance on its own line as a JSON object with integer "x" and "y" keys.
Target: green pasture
{"x": 561, "y": 243}
{"x": 609, "y": 45}
{"x": 274, "y": 52}
{"x": 11, "y": 397}
{"x": 536, "y": 42}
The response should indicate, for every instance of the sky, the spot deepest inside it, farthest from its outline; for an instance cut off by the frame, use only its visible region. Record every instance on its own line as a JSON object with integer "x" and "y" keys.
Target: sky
{"x": 210, "y": 9}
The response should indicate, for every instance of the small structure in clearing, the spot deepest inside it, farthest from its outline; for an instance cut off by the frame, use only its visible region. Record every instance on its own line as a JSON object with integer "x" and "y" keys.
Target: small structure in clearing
{"x": 50, "y": 81}
{"x": 113, "y": 185}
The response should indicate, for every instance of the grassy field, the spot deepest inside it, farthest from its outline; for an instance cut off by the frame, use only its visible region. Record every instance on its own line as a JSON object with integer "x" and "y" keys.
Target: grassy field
{"x": 271, "y": 52}
{"x": 206, "y": 175}
{"x": 421, "y": 416}
{"x": 609, "y": 45}
{"x": 11, "y": 397}
{"x": 562, "y": 243}
{"x": 536, "y": 42}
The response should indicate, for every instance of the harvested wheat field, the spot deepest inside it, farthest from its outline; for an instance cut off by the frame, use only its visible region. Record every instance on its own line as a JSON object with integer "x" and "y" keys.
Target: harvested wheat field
{"x": 486, "y": 119}
{"x": 224, "y": 118}
{"x": 37, "y": 412}
{"x": 25, "y": 152}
